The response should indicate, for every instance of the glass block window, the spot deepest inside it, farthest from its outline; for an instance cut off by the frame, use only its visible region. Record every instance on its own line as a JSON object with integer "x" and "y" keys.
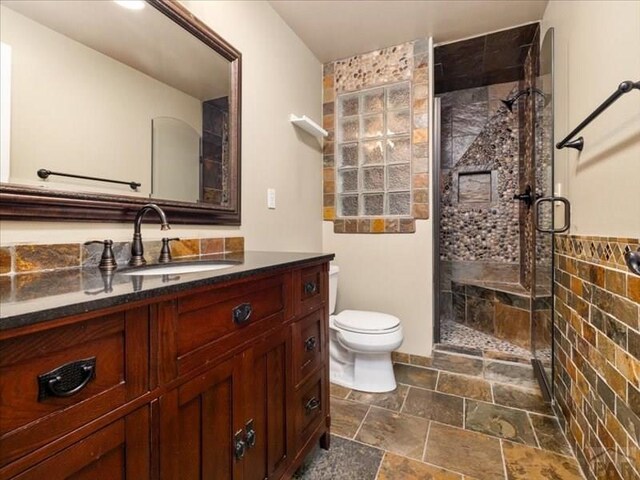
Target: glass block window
{"x": 373, "y": 152}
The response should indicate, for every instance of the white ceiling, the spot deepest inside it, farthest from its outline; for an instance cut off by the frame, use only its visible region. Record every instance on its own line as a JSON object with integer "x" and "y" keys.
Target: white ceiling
{"x": 338, "y": 29}
{"x": 145, "y": 40}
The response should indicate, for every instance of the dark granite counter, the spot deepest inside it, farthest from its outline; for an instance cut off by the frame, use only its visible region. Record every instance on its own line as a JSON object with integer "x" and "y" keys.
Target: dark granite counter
{"x": 31, "y": 298}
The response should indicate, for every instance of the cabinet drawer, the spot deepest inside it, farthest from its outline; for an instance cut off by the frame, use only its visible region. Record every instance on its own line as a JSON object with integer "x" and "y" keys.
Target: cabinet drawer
{"x": 118, "y": 451}
{"x": 308, "y": 344}
{"x": 59, "y": 379}
{"x": 310, "y": 288}
{"x": 210, "y": 323}
{"x": 310, "y": 406}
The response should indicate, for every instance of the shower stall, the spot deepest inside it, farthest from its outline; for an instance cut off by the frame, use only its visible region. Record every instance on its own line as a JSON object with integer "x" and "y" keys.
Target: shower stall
{"x": 493, "y": 160}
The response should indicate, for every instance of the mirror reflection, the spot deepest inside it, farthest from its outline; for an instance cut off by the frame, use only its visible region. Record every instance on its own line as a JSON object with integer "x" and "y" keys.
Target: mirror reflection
{"x": 98, "y": 90}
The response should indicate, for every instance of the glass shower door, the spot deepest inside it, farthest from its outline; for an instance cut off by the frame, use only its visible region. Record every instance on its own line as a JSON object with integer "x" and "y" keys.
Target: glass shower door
{"x": 542, "y": 301}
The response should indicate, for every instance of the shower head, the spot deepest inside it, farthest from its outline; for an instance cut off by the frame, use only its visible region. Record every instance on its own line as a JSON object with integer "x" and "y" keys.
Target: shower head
{"x": 511, "y": 101}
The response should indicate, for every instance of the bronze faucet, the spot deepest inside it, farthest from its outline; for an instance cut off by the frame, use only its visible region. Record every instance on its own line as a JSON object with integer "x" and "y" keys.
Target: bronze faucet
{"x": 137, "y": 250}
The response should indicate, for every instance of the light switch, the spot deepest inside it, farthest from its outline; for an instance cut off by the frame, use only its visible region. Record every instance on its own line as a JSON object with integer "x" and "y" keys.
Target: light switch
{"x": 271, "y": 198}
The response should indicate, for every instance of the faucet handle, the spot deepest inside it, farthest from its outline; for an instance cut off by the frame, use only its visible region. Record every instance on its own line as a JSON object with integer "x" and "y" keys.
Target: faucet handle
{"x": 165, "y": 251}
{"x": 108, "y": 260}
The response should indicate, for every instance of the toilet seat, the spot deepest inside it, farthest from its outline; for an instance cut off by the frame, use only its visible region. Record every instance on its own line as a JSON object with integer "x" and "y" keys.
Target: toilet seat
{"x": 361, "y": 321}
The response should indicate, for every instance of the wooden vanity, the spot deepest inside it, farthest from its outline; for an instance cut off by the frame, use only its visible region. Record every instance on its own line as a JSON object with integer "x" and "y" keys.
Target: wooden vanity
{"x": 224, "y": 380}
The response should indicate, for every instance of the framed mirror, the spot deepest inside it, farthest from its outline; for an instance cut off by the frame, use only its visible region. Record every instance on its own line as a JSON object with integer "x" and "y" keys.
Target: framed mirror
{"x": 109, "y": 105}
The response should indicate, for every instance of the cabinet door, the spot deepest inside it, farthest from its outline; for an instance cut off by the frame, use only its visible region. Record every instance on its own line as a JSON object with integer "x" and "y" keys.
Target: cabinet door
{"x": 268, "y": 393}
{"x": 198, "y": 422}
{"x": 118, "y": 451}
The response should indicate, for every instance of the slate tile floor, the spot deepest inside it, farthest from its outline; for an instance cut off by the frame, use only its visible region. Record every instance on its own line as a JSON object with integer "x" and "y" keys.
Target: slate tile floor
{"x": 464, "y": 418}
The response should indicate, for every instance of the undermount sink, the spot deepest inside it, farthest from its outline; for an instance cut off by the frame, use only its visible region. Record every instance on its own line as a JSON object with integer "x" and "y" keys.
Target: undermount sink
{"x": 177, "y": 268}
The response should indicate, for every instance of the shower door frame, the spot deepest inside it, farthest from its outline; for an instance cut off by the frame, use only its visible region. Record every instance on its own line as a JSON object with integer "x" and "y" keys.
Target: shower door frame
{"x": 546, "y": 383}
{"x": 435, "y": 178}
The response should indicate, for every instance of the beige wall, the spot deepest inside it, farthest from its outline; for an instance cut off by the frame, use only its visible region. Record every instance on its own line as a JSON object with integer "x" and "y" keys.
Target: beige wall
{"x": 280, "y": 76}
{"x": 597, "y": 45}
{"x": 388, "y": 273}
{"x": 64, "y": 118}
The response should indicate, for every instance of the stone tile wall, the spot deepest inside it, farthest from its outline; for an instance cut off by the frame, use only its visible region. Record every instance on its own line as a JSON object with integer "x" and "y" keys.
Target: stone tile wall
{"x": 505, "y": 315}
{"x": 597, "y": 353}
{"x": 526, "y": 111}
{"x": 405, "y": 62}
{"x": 480, "y": 240}
{"x": 28, "y": 258}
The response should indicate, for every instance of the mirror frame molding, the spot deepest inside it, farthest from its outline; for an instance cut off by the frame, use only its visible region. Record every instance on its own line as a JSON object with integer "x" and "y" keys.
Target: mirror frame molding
{"x": 19, "y": 202}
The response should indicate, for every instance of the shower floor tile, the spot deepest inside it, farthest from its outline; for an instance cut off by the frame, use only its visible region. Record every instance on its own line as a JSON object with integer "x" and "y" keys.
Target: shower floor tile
{"x": 453, "y": 333}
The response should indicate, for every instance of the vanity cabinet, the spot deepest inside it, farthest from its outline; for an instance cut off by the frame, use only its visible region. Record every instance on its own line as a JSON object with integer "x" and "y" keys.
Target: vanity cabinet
{"x": 231, "y": 421}
{"x": 227, "y": 381}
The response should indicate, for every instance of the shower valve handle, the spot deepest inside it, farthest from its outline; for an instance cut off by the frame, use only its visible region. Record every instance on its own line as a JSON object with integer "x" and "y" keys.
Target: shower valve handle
{"x": 527, "y": 196}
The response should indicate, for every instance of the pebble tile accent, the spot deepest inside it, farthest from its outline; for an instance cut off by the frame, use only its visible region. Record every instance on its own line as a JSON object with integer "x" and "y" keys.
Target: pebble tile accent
{"x": 453, "y": 333}
{"x": 388, "y": 65}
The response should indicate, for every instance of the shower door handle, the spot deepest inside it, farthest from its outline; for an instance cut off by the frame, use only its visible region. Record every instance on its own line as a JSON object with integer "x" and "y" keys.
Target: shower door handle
{"x": 551, "y": 200}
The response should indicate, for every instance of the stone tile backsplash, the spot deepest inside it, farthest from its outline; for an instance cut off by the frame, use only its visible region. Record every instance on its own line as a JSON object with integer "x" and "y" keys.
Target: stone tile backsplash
{"x": 597, "y": 353}
{"x": 37, "y": 258}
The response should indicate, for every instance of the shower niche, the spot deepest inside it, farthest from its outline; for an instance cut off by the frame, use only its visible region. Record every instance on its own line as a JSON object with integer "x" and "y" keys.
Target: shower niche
{"x": 476, "y": 187}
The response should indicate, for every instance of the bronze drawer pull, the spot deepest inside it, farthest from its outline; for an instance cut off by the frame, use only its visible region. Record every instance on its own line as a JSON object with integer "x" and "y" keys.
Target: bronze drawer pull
{"x": 241, "y": 313}
{"x": 239, "y": 446}
{"x": 311, "y": 405}
{"x": 310, "y": 288}
{"x": 310, "y": 344}
{"x": 66, "y": 380}
{"x": 250, "y": 434}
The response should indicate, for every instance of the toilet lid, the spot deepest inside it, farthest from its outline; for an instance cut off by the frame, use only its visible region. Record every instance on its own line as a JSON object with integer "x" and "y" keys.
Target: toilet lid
{"x": 360, "y": 321}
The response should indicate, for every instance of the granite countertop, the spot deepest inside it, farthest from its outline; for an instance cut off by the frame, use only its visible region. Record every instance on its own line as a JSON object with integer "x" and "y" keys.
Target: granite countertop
{"x": 30, "y": 298}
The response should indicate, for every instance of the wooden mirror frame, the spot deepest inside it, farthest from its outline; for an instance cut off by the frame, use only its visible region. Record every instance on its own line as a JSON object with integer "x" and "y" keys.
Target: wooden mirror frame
{"x": 30, "y": 203}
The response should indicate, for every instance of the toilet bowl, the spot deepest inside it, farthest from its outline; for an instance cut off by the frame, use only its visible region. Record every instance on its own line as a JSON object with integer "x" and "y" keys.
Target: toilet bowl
{"x": 360, "y": 345}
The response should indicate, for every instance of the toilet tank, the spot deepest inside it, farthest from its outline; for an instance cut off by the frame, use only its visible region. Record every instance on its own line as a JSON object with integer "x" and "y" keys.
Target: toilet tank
{"x": 333, "y": 288}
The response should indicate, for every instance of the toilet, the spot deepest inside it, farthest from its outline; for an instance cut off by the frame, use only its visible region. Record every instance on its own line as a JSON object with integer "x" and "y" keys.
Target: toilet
{"x": 360, "y": 346}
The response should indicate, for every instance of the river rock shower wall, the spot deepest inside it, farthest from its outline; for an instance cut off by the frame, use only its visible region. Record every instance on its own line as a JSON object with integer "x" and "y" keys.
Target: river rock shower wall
{"x": 479, "y": 176}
